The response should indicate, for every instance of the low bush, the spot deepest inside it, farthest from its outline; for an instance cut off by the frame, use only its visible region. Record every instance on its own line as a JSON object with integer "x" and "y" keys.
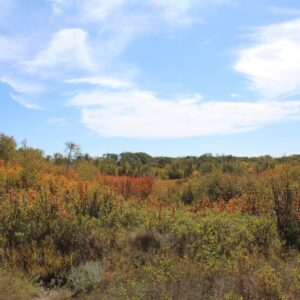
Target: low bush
{"x": 85, "y": 276}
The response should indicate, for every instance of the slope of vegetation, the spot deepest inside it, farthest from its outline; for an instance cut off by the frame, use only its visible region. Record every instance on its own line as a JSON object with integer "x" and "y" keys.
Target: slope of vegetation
{"x": 132, "y": 226}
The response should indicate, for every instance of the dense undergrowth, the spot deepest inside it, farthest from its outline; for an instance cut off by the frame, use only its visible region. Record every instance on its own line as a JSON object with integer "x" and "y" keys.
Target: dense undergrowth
{"x": 221, "y": 232}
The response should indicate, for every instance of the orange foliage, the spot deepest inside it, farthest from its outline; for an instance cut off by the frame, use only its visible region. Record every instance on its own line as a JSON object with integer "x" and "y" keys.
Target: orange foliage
{"x": 202, "y": 204}
{"x": 136, "y": 187}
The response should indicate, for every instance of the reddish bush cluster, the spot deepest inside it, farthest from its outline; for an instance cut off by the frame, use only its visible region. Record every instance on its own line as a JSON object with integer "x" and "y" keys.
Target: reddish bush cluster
{"x": 136, "y": 187}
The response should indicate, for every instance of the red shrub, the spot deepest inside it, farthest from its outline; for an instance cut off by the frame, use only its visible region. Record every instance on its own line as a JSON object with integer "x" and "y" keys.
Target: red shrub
{"x": 135, "y": 187}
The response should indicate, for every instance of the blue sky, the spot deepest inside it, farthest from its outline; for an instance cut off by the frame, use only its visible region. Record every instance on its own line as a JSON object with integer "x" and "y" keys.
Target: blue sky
{"x": 167, "y": 77}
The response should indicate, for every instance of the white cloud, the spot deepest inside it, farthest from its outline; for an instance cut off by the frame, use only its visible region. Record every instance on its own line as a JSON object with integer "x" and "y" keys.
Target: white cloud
{"x": 58, "y": 6}
{"x": 21, "y": 86}
{"x": 119, "y": 22}
{"x": 99, "y": 10}
{"x": 175, "y": 12}
{"x": 272, "y": 64}
{"x": 235, "y": 95}
{"x": 103, "y": 81}
{"x": 172, "y": 12}
{"x": 142, "y": 114}
{"x": 67, "y": 49}
{"x": 88, "y": 10}
{"x": 27, "y": 104}
{"x": 181, "y": 12}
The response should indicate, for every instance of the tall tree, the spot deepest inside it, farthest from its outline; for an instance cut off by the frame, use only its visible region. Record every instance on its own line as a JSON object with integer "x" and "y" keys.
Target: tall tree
{"x": 73, "y": 151}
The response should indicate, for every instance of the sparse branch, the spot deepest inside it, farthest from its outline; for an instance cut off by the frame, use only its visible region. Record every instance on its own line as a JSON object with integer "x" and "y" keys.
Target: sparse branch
{"x": 72, "y": 150}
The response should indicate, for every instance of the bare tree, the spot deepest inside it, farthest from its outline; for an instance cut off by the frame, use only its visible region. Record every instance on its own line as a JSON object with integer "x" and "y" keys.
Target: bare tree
{"x": 72, "y": 150}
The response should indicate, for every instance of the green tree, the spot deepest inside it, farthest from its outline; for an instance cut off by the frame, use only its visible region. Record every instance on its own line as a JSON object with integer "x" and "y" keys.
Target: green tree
{"x": 7, "y": 147}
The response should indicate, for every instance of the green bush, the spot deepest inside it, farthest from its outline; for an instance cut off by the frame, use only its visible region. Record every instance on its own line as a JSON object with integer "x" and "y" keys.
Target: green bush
{"x": 222, "y": 234}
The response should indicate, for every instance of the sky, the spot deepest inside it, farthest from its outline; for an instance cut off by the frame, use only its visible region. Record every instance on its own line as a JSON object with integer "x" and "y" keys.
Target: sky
{"x": 166, "y": 77}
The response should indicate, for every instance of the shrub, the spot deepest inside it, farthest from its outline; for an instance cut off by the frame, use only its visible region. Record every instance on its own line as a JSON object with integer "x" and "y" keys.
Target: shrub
{"x": 287, "y": 202}
{"x": 223, "y": 187}
{"x": 85, "y": 276}
{"x": 214, "y": 235}
{"x": 145, "y": 241}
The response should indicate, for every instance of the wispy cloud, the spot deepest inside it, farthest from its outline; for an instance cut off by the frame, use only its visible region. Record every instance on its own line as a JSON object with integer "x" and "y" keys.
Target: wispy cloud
{"x": 235, "y": 95}
{"x": 142, "y": 114}
{"x": 78, "y": 54}
{"x": 173, "y": 12}
{"x": 67, "y": 49}
{"x": 99, "y": 10}
{"x": 121, "y": 21}
{"x": 58, "y": 6}
{"x": 103, "y": 81}
{"x": 81, "y": 48}
{"x": 27, "y": 104}
{"x": 21, "y": 86}
{"x": 272, "y": 63}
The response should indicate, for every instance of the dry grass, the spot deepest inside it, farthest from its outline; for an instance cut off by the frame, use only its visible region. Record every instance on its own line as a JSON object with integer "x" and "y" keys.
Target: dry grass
{"x": 13, "y": 287}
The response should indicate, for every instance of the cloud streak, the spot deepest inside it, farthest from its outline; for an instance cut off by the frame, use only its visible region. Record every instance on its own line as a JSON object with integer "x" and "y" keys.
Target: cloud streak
{"x": 173, "y": 12}
{"x": 103, "y": 81}
{"x": 142, "y": 114}
{"x": 25, "y": 103}
{"x": 22, "y": 86}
